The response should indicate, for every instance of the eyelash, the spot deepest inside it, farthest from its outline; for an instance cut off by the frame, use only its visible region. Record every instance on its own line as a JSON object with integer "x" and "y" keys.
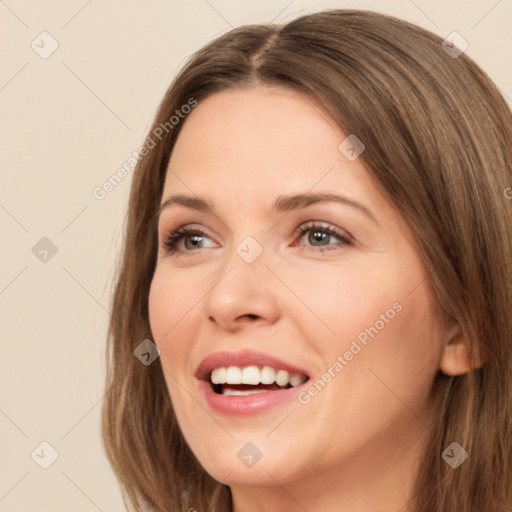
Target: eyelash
{"x": 173, "y": 238}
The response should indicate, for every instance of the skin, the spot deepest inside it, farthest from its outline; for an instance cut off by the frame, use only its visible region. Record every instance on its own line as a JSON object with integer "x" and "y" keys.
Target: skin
{"x": 358, "y": 442}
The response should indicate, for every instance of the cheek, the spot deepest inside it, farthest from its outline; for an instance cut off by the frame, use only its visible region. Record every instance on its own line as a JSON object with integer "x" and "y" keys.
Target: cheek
{"x": 414, "y": 341}
{"x": 391, "y": 344}
{"x": 336, "y": 303}
{"x": 171, "y": 297}
{"x": 171, "y": 315}
{"x": 381, "y": 316}
{"x": 170, "y": 307}
{"x": 160, "y": 306}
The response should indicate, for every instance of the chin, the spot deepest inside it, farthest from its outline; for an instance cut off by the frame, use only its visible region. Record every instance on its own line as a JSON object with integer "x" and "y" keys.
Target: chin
{"x": 241, "y": 465}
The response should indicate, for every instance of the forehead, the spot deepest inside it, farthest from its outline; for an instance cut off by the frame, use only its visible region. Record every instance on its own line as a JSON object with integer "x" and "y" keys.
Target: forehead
{"x": 263, "y": 129}
{"x": 254, "y": 144}
{"x": 259, "y": 122}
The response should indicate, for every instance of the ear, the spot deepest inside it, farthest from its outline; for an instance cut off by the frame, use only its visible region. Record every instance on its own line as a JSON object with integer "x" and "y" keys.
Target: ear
{"x": 455, "y": 359}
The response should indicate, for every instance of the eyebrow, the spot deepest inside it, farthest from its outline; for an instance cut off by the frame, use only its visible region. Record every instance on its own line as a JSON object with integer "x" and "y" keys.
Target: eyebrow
{"x": 281, "y": 204}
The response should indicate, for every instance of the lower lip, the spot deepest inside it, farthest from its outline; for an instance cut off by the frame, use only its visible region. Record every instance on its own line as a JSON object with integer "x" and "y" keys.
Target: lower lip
{"x": 248, "y": 404}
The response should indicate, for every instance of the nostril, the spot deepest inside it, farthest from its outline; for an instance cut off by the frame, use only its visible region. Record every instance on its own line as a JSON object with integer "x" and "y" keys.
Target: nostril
{"x": 249, "y": 316}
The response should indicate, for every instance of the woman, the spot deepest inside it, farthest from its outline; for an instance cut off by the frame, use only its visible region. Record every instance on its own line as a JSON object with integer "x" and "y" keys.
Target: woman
{"x": 318, "y": 249}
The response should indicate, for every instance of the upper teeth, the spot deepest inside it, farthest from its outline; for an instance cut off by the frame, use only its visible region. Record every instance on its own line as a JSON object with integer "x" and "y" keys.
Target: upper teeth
{"x": 254, "y": 375}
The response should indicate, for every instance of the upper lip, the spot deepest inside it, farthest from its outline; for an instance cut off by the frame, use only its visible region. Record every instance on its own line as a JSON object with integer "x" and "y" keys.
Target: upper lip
{"x": 241, "y": 359}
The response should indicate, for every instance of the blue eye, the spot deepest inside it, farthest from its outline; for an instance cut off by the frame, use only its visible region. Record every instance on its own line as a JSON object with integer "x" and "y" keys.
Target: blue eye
{"x": 319, "y": 238}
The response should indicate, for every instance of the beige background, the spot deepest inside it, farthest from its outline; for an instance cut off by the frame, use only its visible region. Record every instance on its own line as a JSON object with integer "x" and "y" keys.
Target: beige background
{"x": 68, "y": 122}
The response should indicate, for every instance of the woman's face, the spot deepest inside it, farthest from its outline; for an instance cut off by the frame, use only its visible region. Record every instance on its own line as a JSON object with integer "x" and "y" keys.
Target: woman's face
{"x": 345, "y": 303}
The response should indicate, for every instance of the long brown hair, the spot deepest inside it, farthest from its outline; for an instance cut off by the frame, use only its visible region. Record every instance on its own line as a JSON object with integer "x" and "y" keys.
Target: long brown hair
{"x": 438, "y": 139}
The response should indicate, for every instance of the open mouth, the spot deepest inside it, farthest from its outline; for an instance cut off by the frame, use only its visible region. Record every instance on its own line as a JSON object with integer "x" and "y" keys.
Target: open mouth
{"x": 249, "y": 380}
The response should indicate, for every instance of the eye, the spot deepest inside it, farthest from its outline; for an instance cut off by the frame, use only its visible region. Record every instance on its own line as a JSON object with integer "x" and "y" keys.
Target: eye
{"x": 319, "y": 236}
{"x": 195, "y": 237}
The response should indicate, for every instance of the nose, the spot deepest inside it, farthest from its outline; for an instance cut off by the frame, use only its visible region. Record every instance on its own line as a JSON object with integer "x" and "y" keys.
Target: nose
{"x": 245, "y": 293}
